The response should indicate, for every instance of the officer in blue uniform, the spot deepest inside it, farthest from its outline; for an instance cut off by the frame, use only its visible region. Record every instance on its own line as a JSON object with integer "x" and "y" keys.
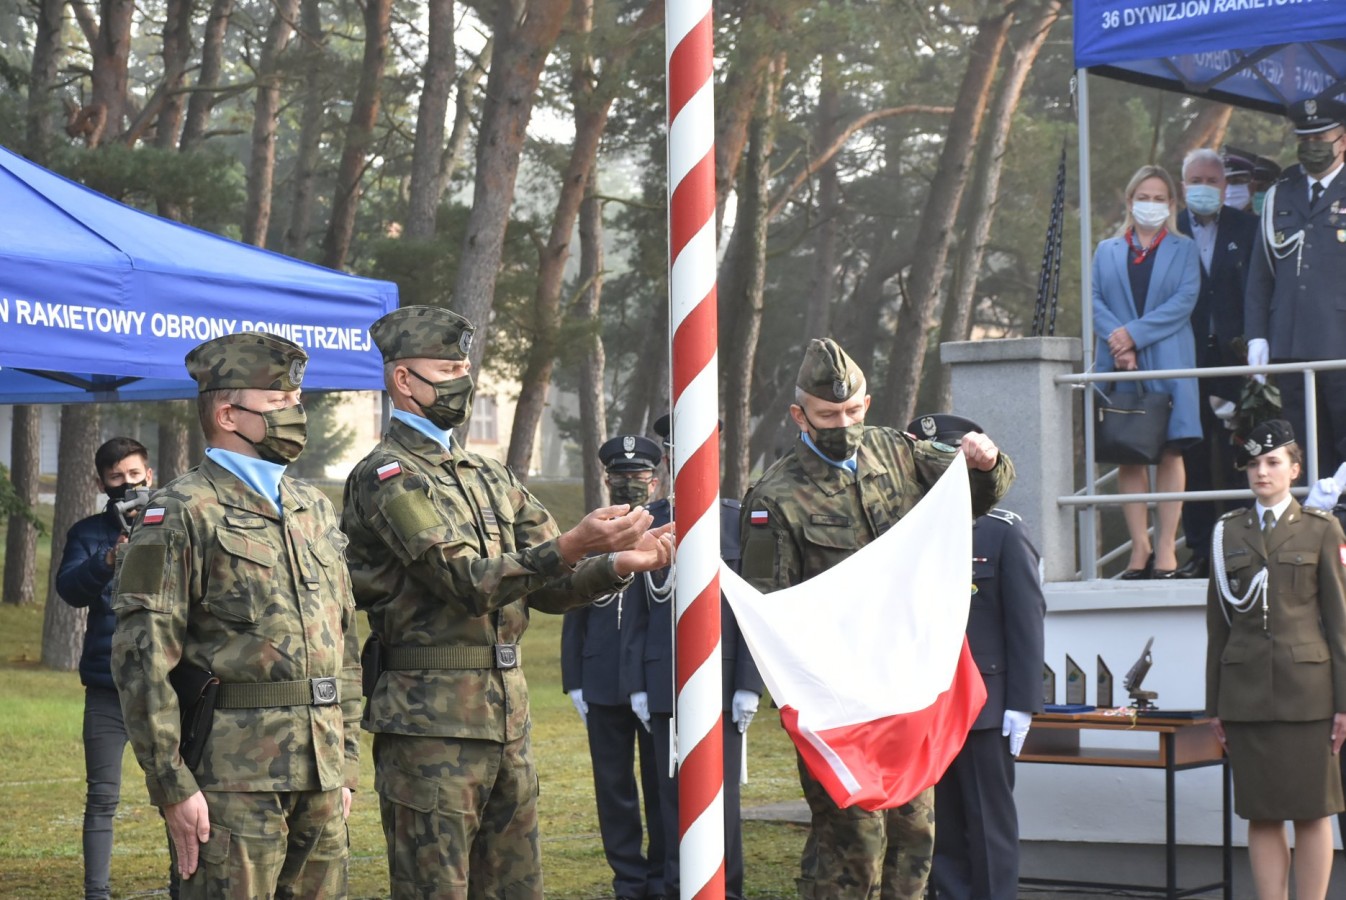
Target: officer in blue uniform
{"x": 591, "y": 645}
{"x": 1225, "y": 235}
{"x": 1295, "y": 306}
{"x": 647, "y": 669}
{"x": 976, "y": 823}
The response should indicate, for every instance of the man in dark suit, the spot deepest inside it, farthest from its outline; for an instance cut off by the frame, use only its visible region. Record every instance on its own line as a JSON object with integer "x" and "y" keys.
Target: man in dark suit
{"x": 1225, "y": 236}
{"x": 1295, "y": 308}
{"x": 647, "y": 669}
{"x": 976, "y": 823}
{"x": 591, "y": 638}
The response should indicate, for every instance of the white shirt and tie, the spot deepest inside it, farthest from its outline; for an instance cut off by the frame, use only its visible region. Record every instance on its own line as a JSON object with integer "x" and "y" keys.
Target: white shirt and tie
{"x": 1275, "y": 512}
{"x": 1319, "y": 186}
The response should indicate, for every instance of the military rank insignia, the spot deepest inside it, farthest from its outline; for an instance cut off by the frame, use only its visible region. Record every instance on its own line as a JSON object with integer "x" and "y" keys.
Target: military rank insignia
{"x": 156, "y": 515}
{"x": 388, "y": 471}
{"x": 757, "y": 517}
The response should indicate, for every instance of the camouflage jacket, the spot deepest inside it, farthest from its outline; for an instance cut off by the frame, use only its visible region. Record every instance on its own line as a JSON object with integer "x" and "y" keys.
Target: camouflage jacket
{"x": 804, "y": 516}
{"x": 450, "y": 550}
{"x": 222, "y": 582}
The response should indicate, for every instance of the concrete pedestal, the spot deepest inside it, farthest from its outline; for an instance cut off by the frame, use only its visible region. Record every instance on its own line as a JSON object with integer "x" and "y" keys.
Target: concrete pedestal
{"x": 1006, "y": 387}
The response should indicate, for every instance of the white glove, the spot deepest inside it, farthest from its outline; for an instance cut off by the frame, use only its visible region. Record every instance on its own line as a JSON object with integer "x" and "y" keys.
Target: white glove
{"x": 577, "y": 698}
{"x": 1324, "y": 494}
{"x": 1224, "y": 409}
{"x": 1258, "y": 354}
{"x": 1015, "y": 728}
{"x": 744, "y": 707}
{"x": 640, "y": 705}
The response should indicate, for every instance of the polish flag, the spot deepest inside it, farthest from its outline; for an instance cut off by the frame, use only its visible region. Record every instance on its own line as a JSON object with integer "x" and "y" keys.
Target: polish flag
{"x": 869, "y": 660}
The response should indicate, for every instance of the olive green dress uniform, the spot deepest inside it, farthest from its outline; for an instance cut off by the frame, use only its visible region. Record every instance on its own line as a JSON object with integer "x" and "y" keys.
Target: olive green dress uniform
{"x": 1276, "y": 688}
{"x": 215, "y": 577}
{"x": 449, "y": 553}
{"x": 816, "y": 515}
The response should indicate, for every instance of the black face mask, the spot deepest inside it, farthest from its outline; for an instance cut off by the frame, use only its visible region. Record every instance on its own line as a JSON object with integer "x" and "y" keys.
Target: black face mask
{"x": 838, "y": 444}
{"x": 118, "y": 493}
{"x": 452, "y": 405}
{"x": 1317, "y": 156}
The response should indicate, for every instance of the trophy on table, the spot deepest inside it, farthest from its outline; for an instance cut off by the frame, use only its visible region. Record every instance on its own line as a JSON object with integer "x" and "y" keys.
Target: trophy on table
{"x": 1144, "y": 700}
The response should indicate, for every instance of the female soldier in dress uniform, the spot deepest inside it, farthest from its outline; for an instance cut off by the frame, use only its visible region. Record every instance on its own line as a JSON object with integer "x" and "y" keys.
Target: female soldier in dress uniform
{"x": 1276, "y": 667}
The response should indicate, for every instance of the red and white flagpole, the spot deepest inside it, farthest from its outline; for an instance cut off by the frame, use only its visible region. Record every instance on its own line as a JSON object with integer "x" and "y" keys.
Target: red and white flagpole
{"x": 696, "y": 445}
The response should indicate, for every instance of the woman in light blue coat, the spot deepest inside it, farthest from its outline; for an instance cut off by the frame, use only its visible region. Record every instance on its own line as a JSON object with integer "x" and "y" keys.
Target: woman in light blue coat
{"x": 1145, "y": 285}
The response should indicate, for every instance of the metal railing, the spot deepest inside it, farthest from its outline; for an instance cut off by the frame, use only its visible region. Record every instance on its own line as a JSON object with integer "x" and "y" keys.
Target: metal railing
{"x": 1089, "y": 500}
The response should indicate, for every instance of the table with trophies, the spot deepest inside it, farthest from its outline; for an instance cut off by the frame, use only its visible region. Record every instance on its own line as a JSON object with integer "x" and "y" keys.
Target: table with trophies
{"x": 1182, "y": 740}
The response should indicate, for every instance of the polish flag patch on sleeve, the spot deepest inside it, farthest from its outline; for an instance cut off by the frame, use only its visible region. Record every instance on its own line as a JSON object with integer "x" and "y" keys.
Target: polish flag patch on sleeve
{"x": 759, "y": 517}
{"x": 388, "y": 471}
{"x": 1341, "y": 552}
{"x": 152, "y": 516}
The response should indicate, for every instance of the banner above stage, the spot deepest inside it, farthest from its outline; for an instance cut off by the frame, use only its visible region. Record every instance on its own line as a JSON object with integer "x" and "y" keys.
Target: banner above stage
{"x": 1261, "y": 54}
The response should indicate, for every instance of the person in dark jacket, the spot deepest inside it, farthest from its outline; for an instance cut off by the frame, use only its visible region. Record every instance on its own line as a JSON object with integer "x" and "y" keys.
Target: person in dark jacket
{"x": 590, "y": 674}
{"x": 84, "y": 581}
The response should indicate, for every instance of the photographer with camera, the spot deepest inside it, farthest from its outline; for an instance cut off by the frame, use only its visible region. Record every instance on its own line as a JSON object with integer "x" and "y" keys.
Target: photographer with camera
{"x": 85, "y": 581}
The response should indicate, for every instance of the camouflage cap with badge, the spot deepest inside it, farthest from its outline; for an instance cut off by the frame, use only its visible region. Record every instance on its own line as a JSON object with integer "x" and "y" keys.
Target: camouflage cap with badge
{"x": 422, "y": 332}
{"x": 828, "y": 373}
{"x": 251, "y": 359}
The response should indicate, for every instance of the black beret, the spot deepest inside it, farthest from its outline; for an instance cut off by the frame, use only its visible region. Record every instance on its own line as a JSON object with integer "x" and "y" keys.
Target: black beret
{"x": 630, "y": 453}
{"x": 1265, "y": 437}
{"x": 943, "y": 427}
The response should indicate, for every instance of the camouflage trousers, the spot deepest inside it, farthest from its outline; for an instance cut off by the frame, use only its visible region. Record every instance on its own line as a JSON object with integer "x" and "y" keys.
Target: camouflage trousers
{"x": 291, "y": 846}
{"x": 854, "y": 854}
{"x": 459, "y": 818}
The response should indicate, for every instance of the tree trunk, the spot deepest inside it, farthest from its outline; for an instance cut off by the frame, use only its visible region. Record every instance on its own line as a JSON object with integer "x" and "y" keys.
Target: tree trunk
{"x": 202, "y": 100}
{"x": 462, "y": 118}
{"x": 523, "y": 40}
{"x": 906, "y": 359}
{"x": 746, "y": 288}
{"x": 25, "y": 459}
{"x": 76, "y": 490}
{"x": 41, "y": 133}
{"x": 266, "y": 110}
{"x": 177, "y": 53}
{"x": 646, "y": 396}
{"x": 822, "y": 290}
{"x": 593, "y": 398}
{"x": 111, "y": 56}
{"x": 176, "y": 420}
{"x": 295, "y": 241}
{"x": 359, "y": 135}
{"x": 980, "y": 203}
{"x": 1206, "y": 130}
{"x": 591, "y": 104}
{"x": 428, "y": 152}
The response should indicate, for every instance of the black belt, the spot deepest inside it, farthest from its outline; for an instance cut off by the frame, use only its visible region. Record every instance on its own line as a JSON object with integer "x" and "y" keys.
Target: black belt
{"x": 324, "y": 691}
{"x": 493, "y": 656}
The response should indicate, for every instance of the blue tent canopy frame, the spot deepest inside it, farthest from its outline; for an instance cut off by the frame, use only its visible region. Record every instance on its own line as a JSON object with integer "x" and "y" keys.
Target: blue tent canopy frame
{"x": 101, "y": 302}
{"x": 1256, "y": 54}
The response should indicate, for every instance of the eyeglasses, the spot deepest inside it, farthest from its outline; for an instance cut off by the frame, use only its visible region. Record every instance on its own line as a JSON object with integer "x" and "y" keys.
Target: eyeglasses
{"x": 617, "y": 480}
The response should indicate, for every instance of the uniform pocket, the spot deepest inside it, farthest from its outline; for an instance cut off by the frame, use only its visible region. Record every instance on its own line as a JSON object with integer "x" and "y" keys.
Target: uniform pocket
{"x": 827, "y": 545}
{"x": 241, "y": 575}
{"x": 1315, "y": 652}
{"x": 404, "y": 789}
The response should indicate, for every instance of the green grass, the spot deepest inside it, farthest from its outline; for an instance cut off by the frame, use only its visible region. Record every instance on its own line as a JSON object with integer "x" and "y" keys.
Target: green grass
{"x": 42, "y": 780}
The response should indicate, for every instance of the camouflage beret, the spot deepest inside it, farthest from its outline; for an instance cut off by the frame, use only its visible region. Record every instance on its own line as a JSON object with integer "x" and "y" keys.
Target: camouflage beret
{"x": 250, "y": 359}
{"x": 422, "y": 332}
{"x": 828, "y": 373}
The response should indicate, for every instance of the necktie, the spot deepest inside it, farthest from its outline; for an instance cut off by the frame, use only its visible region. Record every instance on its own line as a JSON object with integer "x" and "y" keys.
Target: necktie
{"x": 1316, "y": 194}
{"x": 1268, "y": 523}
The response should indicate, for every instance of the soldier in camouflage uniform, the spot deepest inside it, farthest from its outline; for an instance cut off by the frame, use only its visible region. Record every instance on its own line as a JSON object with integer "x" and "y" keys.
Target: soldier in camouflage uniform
{"x": 841, "y": 486}
{"x": 449, "y": 553}
{"x": 237, "y": 570}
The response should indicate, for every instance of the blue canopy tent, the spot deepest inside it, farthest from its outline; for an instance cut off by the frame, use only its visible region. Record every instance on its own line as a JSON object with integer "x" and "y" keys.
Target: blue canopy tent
{"x": 101, "y": 302}
{"x": 1256, "y": 54}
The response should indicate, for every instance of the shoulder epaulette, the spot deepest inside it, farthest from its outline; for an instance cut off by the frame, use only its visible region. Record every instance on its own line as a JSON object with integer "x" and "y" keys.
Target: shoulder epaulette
{"x": 730, "y": 503}
{"x": 1233, "y": 513}
{"x": 1320, "y": 513}
{"x": 1005, "y": 515}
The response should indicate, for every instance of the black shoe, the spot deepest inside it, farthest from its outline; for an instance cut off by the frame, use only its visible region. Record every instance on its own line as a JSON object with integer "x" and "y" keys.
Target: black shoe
{"x": 1140, "y": 574}
{"x": 1164, "y": 573}
{"x": 1196, "y": 567}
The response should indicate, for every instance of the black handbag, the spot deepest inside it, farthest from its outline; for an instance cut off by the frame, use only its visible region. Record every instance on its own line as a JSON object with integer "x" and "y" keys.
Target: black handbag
{"x": 1131, "y": 428}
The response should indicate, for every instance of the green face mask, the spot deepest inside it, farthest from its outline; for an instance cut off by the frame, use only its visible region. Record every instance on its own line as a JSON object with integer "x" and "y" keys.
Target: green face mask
{"x": 286, "y": 433}
{"x": 629, "y": 490}
{"x": 838, "y": 444}
{"x": 452, "y": 406}
{"x": 1317, "y": 156}
{"x": 1258, "y": 199}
